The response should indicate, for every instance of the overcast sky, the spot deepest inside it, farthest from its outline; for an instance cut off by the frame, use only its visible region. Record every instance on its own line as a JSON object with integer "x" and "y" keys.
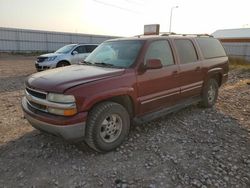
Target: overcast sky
{"x": 124, "y": 17}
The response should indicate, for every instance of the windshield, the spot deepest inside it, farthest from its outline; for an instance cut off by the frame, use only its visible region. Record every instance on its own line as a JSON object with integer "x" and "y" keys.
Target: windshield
{"x": 115, "y": 53}
{"x": 65, "y": 49}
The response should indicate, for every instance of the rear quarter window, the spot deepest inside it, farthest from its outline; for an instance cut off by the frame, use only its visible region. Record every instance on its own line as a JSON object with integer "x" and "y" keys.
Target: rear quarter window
{"x": 211, "y": 48}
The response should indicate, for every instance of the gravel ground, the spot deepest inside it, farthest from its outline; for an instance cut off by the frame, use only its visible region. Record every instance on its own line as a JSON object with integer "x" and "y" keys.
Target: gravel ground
{"x": 192, "y": 148}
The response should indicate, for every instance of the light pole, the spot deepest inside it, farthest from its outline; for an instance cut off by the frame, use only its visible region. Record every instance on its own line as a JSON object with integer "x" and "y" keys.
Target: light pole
{"x": 171, "y": 17}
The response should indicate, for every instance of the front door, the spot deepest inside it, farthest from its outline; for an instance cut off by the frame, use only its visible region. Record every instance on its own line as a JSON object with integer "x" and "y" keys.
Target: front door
{"x": 79, "y": 56}
{"x": 157, "y": 88}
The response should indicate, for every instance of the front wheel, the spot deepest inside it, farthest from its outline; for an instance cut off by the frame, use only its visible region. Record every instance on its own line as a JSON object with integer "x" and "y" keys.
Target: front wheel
{"x": 62, "y": 64}
{"x": 107, "y": 126}
{"x": 210, "y": 93}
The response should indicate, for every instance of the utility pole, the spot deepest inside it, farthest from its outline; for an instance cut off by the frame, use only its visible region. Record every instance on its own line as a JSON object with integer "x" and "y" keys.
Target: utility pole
{"x": 170, "y": 24}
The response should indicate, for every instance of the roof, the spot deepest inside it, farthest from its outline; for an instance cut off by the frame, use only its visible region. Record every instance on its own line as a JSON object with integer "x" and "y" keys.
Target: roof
{"x": 232, "y": 33}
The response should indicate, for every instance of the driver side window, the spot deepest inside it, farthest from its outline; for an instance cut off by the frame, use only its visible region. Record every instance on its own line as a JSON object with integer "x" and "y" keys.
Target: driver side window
{"x": 160, "y": 50}
{"x": 80, "y": 49}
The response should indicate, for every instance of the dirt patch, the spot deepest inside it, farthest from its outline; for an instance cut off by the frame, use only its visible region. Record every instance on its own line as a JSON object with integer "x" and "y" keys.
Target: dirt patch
{"x": 192, "y": 148}
{"x": 234, "y": 97}
{"x": 13, "y": 72}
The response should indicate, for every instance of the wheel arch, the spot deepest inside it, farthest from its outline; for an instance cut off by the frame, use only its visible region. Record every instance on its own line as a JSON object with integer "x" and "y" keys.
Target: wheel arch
{"x": 216, "y": 74}
{"x": 125, "y": 100}
{"x": 63, "y": 60}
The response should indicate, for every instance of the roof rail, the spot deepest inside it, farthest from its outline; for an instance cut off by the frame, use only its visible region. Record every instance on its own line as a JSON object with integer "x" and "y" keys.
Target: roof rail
{"x": 198, "y": 35}
{"x": 177, "y": 34}
{"x": 139, "y": 35}
{"x": 167, "y": 33}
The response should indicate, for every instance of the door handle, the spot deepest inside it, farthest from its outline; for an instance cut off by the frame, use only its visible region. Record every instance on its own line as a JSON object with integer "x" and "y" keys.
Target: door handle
{"x": 197, "y": 68}
{"x": 175, "y": 73}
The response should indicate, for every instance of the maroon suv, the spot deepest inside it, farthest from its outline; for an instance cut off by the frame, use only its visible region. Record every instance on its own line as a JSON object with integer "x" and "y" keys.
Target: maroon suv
{"x": 125, "y": 80}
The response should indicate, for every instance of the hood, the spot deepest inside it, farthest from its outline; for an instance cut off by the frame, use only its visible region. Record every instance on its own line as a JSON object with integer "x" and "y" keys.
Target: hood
{"x": 60, "y": 79}
{"x": 49, "y": 55}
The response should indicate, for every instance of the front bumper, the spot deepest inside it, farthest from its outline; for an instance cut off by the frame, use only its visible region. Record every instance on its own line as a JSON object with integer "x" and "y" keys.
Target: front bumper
{"x": 72, "y": 132}
{"x": 40, "y": 66}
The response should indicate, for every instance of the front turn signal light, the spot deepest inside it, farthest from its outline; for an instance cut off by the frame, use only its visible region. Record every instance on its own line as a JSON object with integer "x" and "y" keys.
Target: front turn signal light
{"x": 62, "y": 112}
{"x": 70, "y": 112}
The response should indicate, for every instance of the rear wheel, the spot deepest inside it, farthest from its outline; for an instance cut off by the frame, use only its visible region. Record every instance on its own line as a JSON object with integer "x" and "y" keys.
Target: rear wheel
{"x": 62, "y": 64}
{"x": 210, "y": 93}
{"x": 107, "y": 126}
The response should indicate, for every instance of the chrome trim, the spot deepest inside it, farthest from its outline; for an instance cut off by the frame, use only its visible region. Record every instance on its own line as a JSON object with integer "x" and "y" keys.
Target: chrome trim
{"x": 48, "y": 103}
{"x": 42, "y": 92}
{"x": 160, "y": 97}
{"x": 35, "y": 106}
{"x": 192, "y": 86}
{"x": 190, "y": 89}
{"x": 215, "y": 69}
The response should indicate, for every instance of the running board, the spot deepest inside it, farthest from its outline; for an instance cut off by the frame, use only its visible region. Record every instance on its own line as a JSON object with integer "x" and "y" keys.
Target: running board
{"x": 154, "y": 115}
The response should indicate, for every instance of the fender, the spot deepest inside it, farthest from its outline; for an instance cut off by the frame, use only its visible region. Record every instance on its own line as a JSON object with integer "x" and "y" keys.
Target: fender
{"x": 90, "y": 101}
{"x": 213, "y": 71}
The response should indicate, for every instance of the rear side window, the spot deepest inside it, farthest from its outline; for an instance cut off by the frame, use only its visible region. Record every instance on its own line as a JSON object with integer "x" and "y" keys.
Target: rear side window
{"x": 211, "y": 48}
{"x": 160, "y": 50}
{"x": 186, "y": 51}
{"x": 90, "y": 48}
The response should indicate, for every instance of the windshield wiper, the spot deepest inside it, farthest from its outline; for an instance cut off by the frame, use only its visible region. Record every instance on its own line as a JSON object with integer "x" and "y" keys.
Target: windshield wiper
{"x": 85, "y": 63}
{"x": 105, "y": 64}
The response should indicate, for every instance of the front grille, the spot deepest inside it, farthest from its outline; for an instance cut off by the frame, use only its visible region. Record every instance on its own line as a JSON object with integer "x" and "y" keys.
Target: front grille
{"x": 38, "y": 106}
{"x": 41, "y": 68}
{"x": 35, "y": 93}
{"x": 41, "y": 59}
{"x": 37, "y": 101}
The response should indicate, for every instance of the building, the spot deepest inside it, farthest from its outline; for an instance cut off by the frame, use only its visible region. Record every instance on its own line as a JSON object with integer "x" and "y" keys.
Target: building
{"x": 26, "y": 40}
{"x": 235, "y": 41}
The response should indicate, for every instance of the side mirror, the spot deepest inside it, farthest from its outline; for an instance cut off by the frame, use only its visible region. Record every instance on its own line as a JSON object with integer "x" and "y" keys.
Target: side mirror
{"x": 74, "y": 52}
{"x": 153, "y": 64}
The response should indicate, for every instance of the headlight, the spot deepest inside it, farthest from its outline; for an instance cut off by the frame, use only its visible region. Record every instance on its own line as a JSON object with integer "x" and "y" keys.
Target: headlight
{"x": 51, "y": 58}
{"x": 60, "y": 98}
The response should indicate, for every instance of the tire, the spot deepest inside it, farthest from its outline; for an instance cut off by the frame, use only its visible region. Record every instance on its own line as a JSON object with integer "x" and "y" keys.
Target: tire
{"x": 62, "y": 64}
{"x": 210, "y": 93}
{"x": 107, "y": 126}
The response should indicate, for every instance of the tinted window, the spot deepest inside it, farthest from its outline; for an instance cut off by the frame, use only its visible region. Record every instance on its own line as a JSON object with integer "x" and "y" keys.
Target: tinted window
{"x": 160, "y": 50}
{"x": 80, "y": 49}
{"x": 211, "y": 47}
{"x": 186, "y": 51}
{"x": 90, "y": 48}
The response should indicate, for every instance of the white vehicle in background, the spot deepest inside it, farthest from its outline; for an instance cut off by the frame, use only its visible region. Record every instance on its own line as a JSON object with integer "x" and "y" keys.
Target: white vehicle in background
{"x": 67, "y": 55}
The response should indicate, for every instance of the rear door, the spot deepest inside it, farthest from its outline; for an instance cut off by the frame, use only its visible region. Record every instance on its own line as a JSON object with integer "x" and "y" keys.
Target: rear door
{"x": 190, "y": 73}
{"x": 158, "y": 88}
{"x": 88, "y": 50}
